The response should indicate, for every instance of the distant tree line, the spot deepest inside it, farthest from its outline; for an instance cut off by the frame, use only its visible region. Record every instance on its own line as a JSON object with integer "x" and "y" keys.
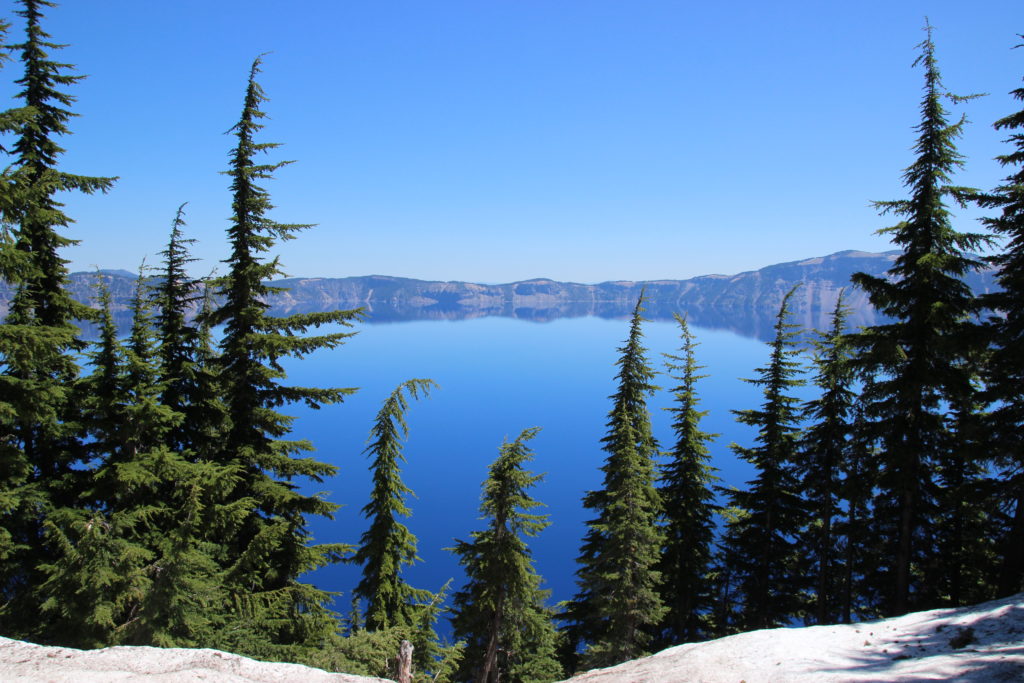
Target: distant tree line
{"x": 150, "y": 493}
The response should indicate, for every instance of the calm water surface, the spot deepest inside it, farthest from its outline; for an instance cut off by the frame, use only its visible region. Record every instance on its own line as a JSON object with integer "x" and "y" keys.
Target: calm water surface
{"x": 498, "y": 376}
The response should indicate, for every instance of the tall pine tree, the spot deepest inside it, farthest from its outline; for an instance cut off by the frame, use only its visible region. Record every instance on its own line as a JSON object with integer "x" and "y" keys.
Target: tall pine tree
{"x": 500, "y": 612}
{"x": 823, "y": 459}
{"x": 1005, "y": 372}
{"x": 766, "y": 564}
{"x": 618, "y": 602}
{"x": 687, "y": 497}
{"x": 38, "y": 339}
{"x": 919, "y": 363}
{"x": 271, "y": 550}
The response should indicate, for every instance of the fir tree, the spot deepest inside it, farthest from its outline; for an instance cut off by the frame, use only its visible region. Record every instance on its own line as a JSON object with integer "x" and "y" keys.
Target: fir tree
{"x": 500, "y": 612}
{"x": 824, "y": 452}
{"x": 39, "y": 340}
{"x": 135, "y": 564}
{"x": 764, "y": 559}
{"x": 858, "y": 592}
{"x": 271, "y": 549}
{"x": 964, "y": 570}
{"x": 178, "y": 340}
{"x": 388, "y": 545}
{"x": 618, "y": 602}
{"x": 1004, "y": 376}
{"x": 689, "y": 510}
{"x": 918, "y": 364}
{"x": 728, "y": 616}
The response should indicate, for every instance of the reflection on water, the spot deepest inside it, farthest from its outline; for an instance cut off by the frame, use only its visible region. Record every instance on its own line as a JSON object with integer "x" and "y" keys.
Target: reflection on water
{"x": 756, "y": 323}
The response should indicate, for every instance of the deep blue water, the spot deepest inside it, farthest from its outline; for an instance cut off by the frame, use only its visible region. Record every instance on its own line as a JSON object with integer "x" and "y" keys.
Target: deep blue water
{"x": 498, "y": 376}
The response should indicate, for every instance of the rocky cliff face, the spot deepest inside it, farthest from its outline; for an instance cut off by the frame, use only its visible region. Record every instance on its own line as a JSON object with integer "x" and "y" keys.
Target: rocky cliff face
{"x": 745, "y": 303}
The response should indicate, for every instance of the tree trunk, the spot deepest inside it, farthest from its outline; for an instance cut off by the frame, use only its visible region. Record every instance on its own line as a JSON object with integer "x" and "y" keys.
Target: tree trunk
{"x": 405, "y": 662}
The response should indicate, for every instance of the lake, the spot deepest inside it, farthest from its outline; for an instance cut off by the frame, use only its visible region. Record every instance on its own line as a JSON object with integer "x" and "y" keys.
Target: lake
{"x": 498, "y": 376}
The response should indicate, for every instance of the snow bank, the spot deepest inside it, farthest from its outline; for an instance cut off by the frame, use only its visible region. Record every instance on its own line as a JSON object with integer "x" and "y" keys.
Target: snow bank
{"x": 984, "y": 643}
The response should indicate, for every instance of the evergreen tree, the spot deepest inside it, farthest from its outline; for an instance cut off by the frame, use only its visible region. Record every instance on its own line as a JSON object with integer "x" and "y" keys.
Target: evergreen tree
{"x": 858, "y": 592}
{"x": 823, "y": 455}
{"x": 964, "y": 570}
{"x": 728, "y": 616}
{"x": 175, "y": 296}
{"x": 271, "y": 549}
{"x": 764, "y": 559}
{"x": 500, "y": 612}
{"x": 1004, "y": 376}
{"x": 687, "y": 498}
{"x": 135, "y": 564}
{"x": 618, "y": 602}
{"x": 388, "y": 545}
{"x": 38, "y": 340}
{"x": 918, "y": 364}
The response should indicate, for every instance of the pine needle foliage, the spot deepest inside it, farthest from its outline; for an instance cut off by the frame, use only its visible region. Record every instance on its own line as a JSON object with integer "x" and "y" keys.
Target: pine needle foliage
{"x": 271, "y": 549}
{"x": 388, "y": 545}
{"x": 687, "y": 493}
{"x": 1004, "y": 376}
{"x": 38, "y": 339}
{"x": 916, "y": 365}
{"x": 175, "y": 296}
{"x": 500, "y": 612}
{"x": 618, "y": 602}
{"x": 764, "y": 558}
{"x": 132, "y": 565}
{"x": 824, "y": 455}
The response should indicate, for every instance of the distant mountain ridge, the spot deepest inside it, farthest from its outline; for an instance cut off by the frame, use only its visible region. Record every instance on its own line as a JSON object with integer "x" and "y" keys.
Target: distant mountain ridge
{"x": 746, "y": 302}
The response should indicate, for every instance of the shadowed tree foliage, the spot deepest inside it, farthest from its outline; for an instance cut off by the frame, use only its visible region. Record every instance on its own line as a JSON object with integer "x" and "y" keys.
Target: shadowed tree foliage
{"x": 822, "y": 462}
{"x": 763, "y": 558}
{"x": 618, "y": 602}
{"x": 38, "y": 339}
{"x": 1004, "y": 376}
{"x": 500, "y": 612}
{"x": 687, "y": 495}
{"x": 919, "y": 363}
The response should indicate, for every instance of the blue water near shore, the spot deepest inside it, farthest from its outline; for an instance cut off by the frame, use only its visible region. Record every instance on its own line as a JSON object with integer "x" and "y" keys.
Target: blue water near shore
{"x": 498, "y": 376}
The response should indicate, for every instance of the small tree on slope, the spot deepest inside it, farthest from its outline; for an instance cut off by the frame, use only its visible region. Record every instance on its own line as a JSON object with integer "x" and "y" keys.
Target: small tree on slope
{"x": 687, "y": 495}
{"x": 765, "y": 563}
{"x": 500, "y": 612}
{"x": 618, "y": 602}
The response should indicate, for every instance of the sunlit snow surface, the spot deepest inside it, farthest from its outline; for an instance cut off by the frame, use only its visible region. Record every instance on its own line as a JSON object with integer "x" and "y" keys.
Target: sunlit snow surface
{"x": 926, "y": 646}
{"x": 983, "y": 643}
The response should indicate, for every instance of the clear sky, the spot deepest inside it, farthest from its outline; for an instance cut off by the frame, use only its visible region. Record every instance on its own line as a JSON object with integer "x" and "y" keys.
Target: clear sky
{"x": 498, "y": 140}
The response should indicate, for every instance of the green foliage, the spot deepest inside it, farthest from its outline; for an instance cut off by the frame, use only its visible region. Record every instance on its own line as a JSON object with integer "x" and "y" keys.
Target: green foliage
{"x": 500, "y": 612}
{"x": 687, "y": 498}
{"x": 270, "y": 550}
{"x": 187, "y": 383}
{"x": 823, "y": 463}
{"x": 763, "y": 557}
{"x": 388, "y": 545}
{"x": 618, "y": 602}
{"x": 921, "y": 362}
{"x": 1004, "y": 375}
{"x": 38, "y": 341}
{"x": 374, "y": 653}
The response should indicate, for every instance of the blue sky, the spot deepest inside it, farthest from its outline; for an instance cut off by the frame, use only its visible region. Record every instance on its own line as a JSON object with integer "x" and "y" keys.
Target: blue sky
{"x": 497, "y": 140}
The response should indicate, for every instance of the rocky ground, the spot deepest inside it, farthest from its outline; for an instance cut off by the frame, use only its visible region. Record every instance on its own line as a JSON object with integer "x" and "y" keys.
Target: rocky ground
{"x": 980, "y": 644}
